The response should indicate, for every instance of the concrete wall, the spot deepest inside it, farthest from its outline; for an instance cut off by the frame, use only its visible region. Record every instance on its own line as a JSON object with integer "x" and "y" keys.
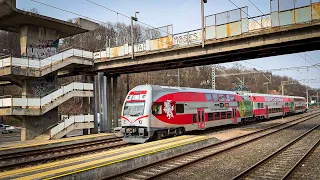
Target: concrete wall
{"x": 38, "y": 42}
{"x": 33, "y": 126}
{"x": 35, "y": 87}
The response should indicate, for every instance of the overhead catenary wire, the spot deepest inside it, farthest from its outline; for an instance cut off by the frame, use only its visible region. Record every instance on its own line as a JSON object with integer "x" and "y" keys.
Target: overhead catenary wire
{"x": 288, "y": 38}
{"x": 86, "y": 17}
{"x": 123, "y": 15}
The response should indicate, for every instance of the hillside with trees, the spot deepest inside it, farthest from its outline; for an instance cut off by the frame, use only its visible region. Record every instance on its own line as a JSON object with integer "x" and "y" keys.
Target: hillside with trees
{"x": 197, "y": 77}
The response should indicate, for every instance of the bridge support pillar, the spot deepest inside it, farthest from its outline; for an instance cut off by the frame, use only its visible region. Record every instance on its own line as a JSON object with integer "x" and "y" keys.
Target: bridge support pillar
{"x": 95, "y": 105}
{"x": 103, "y": 102}
{"x": 115, "y": 101}
{"x": 34, "y": 126}
{"x": 109, "y": 103}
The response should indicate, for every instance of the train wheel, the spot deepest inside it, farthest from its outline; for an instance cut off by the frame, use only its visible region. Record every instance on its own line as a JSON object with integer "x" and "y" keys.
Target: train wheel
{"x": 179, "y": 131}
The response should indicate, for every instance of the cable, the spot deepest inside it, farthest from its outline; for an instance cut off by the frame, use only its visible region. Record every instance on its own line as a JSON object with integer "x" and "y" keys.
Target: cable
{"x": 92, "y": 19}
{"x": 245, "y": 13}
{"x": 271, "y": 22}
{"x": 122, "y": 14}
{"x": 311, "y": 58}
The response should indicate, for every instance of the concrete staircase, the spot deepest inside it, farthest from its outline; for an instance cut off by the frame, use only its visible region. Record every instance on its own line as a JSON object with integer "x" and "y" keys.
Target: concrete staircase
{"x": 38, "y": 106}
{"x": 37, "y": 68}
{"x": 71, "y": 123}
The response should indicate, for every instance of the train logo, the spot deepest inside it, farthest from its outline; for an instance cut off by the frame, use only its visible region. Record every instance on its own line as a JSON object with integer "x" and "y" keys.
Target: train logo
{"x": 168, "y": 109}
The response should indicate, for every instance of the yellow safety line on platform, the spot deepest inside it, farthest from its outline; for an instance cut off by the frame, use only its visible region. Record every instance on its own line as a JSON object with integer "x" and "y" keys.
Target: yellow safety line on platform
{"x": 87, "y": 157}
{"x": 53, "y": 141}
{"x": 114, "y": 159}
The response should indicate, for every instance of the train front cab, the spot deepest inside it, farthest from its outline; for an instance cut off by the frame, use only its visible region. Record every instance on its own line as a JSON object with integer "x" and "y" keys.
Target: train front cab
{"x": 135, "y": 116}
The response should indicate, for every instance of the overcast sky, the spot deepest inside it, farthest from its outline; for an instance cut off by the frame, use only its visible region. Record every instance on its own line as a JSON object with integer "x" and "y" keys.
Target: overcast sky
{"x": 184, "y": 15}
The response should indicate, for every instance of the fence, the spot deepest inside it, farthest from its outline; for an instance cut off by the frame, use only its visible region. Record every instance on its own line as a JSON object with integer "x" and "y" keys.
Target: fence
{"x": 36, "y": 63}
{"x": 40, "y": 102}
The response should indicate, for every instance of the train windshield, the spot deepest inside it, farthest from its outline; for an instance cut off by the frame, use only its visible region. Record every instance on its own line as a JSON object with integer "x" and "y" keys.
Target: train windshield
{"x": 133, "y": 108}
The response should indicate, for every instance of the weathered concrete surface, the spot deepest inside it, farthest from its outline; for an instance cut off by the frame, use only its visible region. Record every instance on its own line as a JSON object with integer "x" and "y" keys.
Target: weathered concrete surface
{"x": 268, "y": 42}
{"x": 11, "y": 19}
{"x": 70, "y": 64}
{"x": 33, "y": 126}
{"x": 40, "y": 111}
{"x": 8, "y": 148}
{"x": 102, "y": 172}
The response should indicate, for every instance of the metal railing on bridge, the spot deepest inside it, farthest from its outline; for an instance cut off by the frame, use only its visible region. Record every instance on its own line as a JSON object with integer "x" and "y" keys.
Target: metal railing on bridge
{"x": 224, "y": 25}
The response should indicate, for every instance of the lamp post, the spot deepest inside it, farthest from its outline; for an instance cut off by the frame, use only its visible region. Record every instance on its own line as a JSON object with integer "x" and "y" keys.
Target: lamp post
{"x": 132, "y": 45}
{"x": 202, "y": 20}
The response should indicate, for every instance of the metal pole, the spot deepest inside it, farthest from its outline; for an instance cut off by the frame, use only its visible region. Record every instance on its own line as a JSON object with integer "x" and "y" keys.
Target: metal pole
{"x": 317, "y": 98}
{"x": 178, "y": 77}
{"x": 282, "y": 90}
{"x": 307, "y": 98}
{"x": 128, "y": 87}
{"x": 213, "y": 77}
{"x": 202, "y": 20}
{"x": 132, "y": 43}
{"x": 95, "y": 108}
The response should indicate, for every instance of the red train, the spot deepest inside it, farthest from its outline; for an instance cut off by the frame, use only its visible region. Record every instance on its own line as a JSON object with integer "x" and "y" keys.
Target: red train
{"x": 154, "y": 112}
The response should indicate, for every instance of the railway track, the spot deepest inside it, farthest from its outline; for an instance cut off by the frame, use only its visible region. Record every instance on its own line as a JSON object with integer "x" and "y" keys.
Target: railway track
{"x": 282, "y": 163}
{"x": 166, "y": 166}
{"x": 27, "y": 158}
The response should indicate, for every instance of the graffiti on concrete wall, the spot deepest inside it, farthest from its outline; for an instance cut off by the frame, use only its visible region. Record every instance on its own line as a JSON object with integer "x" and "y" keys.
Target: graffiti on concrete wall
{"x": 42, "y": 49}
{"x": 42, "y": 86}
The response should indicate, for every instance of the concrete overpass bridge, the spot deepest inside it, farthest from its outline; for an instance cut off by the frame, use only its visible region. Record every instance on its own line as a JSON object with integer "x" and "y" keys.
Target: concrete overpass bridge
{"x": 228, "y": 36}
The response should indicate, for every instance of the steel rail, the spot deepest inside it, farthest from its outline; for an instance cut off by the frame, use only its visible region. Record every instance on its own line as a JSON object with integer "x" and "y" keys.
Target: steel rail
{"x": 251, "y": 169}
{"x": 196, "y": 155}
{"x": 51, "y": 153}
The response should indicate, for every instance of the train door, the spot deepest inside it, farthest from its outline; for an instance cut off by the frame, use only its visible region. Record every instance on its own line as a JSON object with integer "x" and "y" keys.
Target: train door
{"x": 234, "y": 114}
{"x": 200, "y": 118}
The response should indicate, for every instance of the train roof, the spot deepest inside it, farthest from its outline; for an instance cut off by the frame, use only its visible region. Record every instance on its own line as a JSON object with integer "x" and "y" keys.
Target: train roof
{"x": 179, "y": 89}
{"x": 274, "y": 95}
{"x": 187, "y": 89}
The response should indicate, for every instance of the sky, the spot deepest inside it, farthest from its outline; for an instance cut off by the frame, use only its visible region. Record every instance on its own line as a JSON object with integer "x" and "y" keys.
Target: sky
{"x": 184, "y": 15}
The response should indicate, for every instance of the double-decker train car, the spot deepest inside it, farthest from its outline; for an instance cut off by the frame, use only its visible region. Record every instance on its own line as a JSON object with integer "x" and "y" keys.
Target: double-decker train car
{"x": 155, "y": 112}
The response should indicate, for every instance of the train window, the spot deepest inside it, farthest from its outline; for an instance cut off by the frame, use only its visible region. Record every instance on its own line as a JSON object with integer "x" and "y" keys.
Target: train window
{"x": 221, "y": 97}
{"x": 157, "y": 109}
{"x": 208, "y": 97}
{"x": 194, "y": 118}
{"x": 179, "y": 108}
{"x": 258, "y": 105}
{"x": 261, "y": 105}
{"x": 215, "y": 97}
{"x": 227, "y": 97}
{"x": 217, "y": 116}
{"x": 232, "y": 98}
{"x": 223, "y": 115}
{"x": 210, "y": 116}
{"x": 229, "y": 114}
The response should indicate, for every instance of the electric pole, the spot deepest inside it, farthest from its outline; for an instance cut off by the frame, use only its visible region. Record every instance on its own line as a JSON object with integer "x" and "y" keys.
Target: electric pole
{"x": 202, "y": 20}
{"x": 132, "y": 45}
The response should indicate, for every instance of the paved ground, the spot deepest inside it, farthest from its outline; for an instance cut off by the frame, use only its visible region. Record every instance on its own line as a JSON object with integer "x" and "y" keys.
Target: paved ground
{"x": 10, "y": 137}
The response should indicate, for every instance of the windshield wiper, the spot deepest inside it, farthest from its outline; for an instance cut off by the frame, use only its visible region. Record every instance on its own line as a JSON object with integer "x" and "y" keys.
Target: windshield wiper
{"x": 137, "y": 114}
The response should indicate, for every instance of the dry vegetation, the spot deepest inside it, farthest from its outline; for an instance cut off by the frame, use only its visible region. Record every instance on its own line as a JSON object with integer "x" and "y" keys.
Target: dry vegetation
{"x": 199, "y": 77}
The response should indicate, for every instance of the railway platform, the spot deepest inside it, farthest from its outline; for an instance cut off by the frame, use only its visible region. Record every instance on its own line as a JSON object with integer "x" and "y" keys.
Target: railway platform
{"x": 110, "y": 163}
{"x": 32, "y": 145}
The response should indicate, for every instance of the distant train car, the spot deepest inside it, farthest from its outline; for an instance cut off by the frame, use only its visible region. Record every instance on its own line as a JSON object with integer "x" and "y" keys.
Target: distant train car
{"x": 155, "y": 112}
